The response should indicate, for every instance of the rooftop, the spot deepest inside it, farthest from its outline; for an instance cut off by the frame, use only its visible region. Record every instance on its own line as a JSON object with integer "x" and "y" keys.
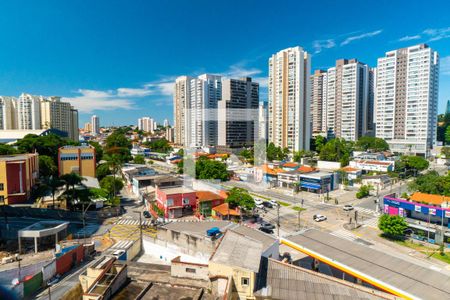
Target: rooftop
{"x": 14, "y": 157}
{"x": 175, "y": 190}
{"x": 224, "y": 210}
{"x": 380, "y": 268}
{"x": 240, "y": 251}
{"x": 207, "y": 196}
{"x": 196, "y": 227}
{"x": 429, "y": 198}
{"x": 350, "y": 169}
{"x": 374, "y": 162}
{"x": 307, "y": 284}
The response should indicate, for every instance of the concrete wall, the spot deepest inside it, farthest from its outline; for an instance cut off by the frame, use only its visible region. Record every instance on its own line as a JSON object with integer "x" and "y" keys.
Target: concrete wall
{"x": 329, "y": 165}
{"x": 134, "y": 250}
{"x": 243, "y": 291}
{"x": 273, "y": 251}
{"x": 165, "y": 252}
{"x": 188, "y": 270}
{"x": 8, "y": 275}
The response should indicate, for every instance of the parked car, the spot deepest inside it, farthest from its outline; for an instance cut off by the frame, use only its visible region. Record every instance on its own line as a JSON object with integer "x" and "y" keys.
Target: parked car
{"x": 267, "y": 204}
{"x": 118, "y": 253}
{"x": 266, "y": 230}
{"x": 274, "y": 203}
{"x": 258, "y": 201}
{"x": 347, "y": 207}
{"x": 147, "y": 214}
{"x": 267, "y": 225}
{"x": 319, "y": 218}
{"x": 260, "y": 205}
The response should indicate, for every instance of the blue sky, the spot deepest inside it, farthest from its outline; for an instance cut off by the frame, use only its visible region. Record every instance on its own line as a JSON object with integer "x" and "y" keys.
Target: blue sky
{"x": 118, "y": 59}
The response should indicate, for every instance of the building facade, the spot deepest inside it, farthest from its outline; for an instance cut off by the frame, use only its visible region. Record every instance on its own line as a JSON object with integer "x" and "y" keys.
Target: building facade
{"x": 237, "y": 113}
{"x": 406, "y": 99}
{"x": 18, "y": 175}
{"x": 59, "y": 115}
{"x": 348, "y": 99}
{"x": 289, "y": 99}
{"x": 8, "y": 113}
{"x": 95, "y": 124}
{"x": 263, "y": 117}
{"x": 195, "y": 110}
{"x": 77, "y": 159}
{"x": 146, "y": 124}
{"x": 318, "y": 101}
{"x": 29, "y": 112}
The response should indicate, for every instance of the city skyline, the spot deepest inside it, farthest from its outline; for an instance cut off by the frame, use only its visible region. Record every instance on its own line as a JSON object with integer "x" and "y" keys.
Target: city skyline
{"x": 131, "y": 65}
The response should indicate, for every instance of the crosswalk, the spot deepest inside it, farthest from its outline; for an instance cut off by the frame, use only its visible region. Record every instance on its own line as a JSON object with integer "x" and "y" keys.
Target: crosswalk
{"x": 345, "y": 234}
{"x": 366, "y": 211}
{"x": 372, "y": 222}
{"x": 128, "y": 229}
{"x": 133, "y": 222}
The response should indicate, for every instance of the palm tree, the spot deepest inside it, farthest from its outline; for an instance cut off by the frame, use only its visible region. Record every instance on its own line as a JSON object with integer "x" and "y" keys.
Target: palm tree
{"x": 115, "y": 163}
{"x": 53, "y": 183}
{"x": 71, "y": 180}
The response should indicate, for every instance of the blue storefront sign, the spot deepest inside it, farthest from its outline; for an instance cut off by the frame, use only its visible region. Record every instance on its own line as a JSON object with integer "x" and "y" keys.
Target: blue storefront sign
{"x": 413, "y": 206}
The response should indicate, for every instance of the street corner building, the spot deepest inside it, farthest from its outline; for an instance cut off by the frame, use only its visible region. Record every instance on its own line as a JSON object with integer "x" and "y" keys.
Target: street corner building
{"x": 18, "y": 175}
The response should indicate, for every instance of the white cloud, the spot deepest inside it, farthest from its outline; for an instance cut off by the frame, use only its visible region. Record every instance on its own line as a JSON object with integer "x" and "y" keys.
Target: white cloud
{"x": 130, "y": 92}
{"x": 90, "y": 100}
{"x": 163, "y": 87}
{"x": 410, "y": 38}
{"x": 360, "y": 36}
{"x": 445, "y": 65}
{"x": 318, "y": 45}
{"x": 239, "y": 70}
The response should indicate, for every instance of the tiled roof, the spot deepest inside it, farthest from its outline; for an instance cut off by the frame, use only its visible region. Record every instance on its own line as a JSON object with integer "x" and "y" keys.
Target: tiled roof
{"x": 429, "y": 198}
{"x": 224, "y": 210}
{"x": 349, "y": 169}
{"x": 207, "y": 196}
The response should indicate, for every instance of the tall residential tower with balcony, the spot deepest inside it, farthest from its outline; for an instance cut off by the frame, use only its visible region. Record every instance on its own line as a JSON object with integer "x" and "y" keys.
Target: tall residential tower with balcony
{"x": 406, "y": 99}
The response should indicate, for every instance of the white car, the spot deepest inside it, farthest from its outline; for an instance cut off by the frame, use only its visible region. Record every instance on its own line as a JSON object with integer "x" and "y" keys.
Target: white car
{"x": 347, "y": 207}
{"x": 261, "y": 206}
{"x": 319, "y": 218}
{"x": 258, "y": 201}
{"x": 274, "y": 203}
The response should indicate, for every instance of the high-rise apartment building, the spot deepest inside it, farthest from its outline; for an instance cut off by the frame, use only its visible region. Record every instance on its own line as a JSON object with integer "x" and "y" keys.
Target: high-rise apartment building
{"x": 146, "y": 124}
{"x": 237, "y": 113}
{"x": 289, "y": 99}
{"x": 348, "y": 97}
{"x": 195, "y": 110}
{"x": 169, "y": 134}
{"x": 95, "y": 121}
{"x": 406, "y": 99}
{"x": 166, "y": 123}
{"x": 8, "y": 113}
{"x": 318, "y": 101}
{"x": 88, "y": 127}
{"x": 263, "y": 121}
{"x": 29, "y": 112}
{"x": 59, "y": 115}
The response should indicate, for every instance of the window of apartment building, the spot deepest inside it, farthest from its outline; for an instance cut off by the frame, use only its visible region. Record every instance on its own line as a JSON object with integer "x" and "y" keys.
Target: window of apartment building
{"x": 185, "y": 201}
{"x": 191, "y": 270}
{"x": 1, "y": 186}
{"x": 170, "y": 202}
{"x": 2, "y": 199}
{"x": 245, "y": 281}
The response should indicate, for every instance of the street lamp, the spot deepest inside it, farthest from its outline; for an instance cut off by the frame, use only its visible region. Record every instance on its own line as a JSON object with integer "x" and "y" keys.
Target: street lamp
{"x": 84, "y": 217}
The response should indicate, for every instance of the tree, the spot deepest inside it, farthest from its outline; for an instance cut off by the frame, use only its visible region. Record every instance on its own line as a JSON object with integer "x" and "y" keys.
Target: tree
{"x": 7, "y": 149}
{"x": 298, "y": 155}
{"x": 111, "y": 185}
{"x": 139, "y": 159}
{"x": 114, "y": 162}
{"x": 408, "y": 163}
{"x": 431, "y": 183}
{"x": 319, "y": 142}
{"x": 102, "y": 171}
{"x": 71, "y": 180}
{"x": 336, "y": 150}
{"x": 117, "y": 144}
{"x": 447, "y": 135}
{"x": 47, "y": 166}
{"x": 161, "y": 146}
{"x": 365, "y": 143}
{"x": 211, "y": 169}
{"x": 276, "y": 153}
{"x": 240, "y": 197}
{"x": 392, "y": 226}
{"x": 44, "y": 145}
{"x": 98, "y": 150}
{"x": 363, "y": 191}
{"x": 446, "y": 152}
{"x": 53, "y": 183}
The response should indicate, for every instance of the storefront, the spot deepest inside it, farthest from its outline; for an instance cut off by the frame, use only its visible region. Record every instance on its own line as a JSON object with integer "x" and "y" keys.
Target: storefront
{"x": 318, "y": 183}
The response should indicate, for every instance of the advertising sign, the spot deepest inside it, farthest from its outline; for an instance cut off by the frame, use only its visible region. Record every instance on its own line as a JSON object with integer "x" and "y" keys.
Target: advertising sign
{"x": 432, "y": 211}
{"x": 417, "y": 208}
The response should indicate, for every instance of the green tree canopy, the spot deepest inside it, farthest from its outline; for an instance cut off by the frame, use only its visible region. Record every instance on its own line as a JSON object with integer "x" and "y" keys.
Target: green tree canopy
{"x": 447, "y": 135}
{"x": 431, "y": 183}
{"x": 7, "y": 149}
{"x": 98, "y": 150}
{"x": 446, "y": 152}
{"x": 240, "y": 197}
{"x": 47, "y": 166}
{"x": 363, "y": 191}
{"x": 111, "y": 185}
{"x": 276, "y": 153}
{"x": 336, "y": 150}
{"x": 139, "y": 159}
{"x": 211, "y": 169}
{"x": 161, "y": 146}
{"x": 102, "y": 171}
{"x": 365, "y": 143}
{"x": 411, "y": 163}
{"x": 44, "y": 145}
{"x": 318, "y": 142}
{"x": 392, "y": 226}
{"x": 298, "y": 155}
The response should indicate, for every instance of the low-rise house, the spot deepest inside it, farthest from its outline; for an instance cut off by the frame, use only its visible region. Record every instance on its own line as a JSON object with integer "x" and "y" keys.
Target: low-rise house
{"x": 176, "y": 201}
{"x": 225, "y": 212}
{"x": 319, "y": 182}
{"x": 373, "y": 165}
{"x": 369, "y": 155}
{"x": 352, "y": 174}
{"x": 206, "y": 200}
{"x": 291, "y": 178}
{"x": 237, "y": 257}
{"x": 103, "y": 279}
{"x": 379, "y": 182}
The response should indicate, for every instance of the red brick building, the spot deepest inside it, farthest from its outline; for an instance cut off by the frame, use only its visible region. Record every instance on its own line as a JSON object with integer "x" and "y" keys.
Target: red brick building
{"x": 18, "y": 175}
{"x": 176, "y": 201}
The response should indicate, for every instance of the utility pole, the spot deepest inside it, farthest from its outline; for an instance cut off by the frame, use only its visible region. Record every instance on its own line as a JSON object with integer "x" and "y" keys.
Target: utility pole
{"x": 278, "y": 221}
{"x": 140, "y": 230}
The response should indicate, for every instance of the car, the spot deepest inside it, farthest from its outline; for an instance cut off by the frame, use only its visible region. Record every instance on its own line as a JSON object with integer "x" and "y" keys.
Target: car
{"x": 267, "y": 225}
{"x": 260, "y": 205}
{"x": 117, "y": 254}
{"x": 319, "y": 218}
{"x": 266, "y": 230}
{"x": 146, "y": 214}
{"x": 267, "y": 204}
{"x": 347, "y": 207}
{"x": 408, "y": 232}
{"x": 258, "y": 201}
{"x": 274, "y": 203}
